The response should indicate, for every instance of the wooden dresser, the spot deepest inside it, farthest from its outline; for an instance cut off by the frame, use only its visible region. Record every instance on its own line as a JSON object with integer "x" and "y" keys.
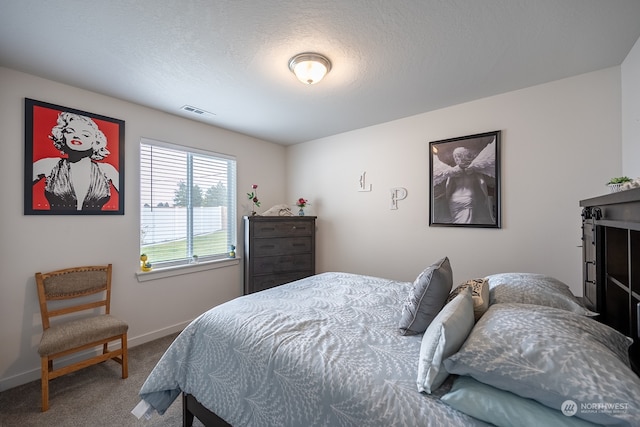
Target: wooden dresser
{"x": 611, "y": 262}
{"x": 278, "y": 250}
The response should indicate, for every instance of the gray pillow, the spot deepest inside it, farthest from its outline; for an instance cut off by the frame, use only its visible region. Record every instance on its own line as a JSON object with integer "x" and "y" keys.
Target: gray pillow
{"x": 560, "y": 359}
{"x": 426, "y": 298}
{"x": 530, "y": 288}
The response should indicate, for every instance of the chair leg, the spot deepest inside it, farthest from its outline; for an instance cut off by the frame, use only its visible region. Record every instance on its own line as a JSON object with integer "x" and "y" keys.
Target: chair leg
{"x": 45, "y": 363}
{"x": 125, "y": 358}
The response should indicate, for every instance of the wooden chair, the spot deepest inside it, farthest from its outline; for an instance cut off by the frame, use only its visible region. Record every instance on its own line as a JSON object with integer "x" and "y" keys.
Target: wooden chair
{"x": 62, "y": 293}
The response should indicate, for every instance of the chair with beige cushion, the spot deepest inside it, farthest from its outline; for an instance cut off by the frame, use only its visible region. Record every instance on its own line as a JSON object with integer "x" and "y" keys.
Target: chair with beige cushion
{"x": 65, "y": 294}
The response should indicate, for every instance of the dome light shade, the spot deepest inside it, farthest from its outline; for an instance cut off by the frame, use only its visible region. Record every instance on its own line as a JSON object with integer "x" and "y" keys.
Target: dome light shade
{"x": 309, "y": 67}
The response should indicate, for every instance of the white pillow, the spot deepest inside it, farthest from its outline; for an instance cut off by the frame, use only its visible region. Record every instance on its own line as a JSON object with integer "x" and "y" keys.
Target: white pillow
{"x": 444, "y": 337}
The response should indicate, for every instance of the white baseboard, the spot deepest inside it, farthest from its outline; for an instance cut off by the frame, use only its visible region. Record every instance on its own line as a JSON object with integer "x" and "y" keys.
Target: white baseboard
{"x": 150, "y": 336}
{"x": 34, "y": 374}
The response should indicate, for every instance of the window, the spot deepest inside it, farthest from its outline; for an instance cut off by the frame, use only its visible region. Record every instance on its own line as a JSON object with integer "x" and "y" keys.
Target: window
{"x": 187, "y": 204}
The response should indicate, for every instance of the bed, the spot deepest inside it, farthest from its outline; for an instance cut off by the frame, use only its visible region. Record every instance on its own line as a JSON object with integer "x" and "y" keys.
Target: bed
{"x": 340, "y": 349}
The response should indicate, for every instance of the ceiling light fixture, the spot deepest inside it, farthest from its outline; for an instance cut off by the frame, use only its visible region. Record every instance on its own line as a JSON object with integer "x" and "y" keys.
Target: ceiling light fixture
{"x": 309, "y": 67}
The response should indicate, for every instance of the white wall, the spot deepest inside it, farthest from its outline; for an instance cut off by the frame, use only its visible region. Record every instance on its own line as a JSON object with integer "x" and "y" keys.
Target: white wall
{"x": 560, "y": 144}
{"x": 631, "y": 113}
{"x": 42, "y": 243}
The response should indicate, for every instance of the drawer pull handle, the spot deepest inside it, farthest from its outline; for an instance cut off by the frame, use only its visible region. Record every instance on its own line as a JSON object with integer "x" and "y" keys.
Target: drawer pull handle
{"x": 293, "y": 228}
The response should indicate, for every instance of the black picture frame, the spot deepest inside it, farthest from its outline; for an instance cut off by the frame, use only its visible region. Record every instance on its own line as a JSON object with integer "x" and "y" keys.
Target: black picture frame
{"x": 63, "y": 144}
{"x": 464, "y": 189}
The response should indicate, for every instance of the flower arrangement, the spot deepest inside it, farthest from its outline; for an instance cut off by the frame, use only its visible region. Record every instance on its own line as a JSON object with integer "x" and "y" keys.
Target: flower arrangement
{"x": 253, "y": 196}
{"x": 301, "y": 203}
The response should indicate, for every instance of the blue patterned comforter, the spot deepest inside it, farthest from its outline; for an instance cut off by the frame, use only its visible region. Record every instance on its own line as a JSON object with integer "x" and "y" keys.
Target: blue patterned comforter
{"x": 321, "y": 351}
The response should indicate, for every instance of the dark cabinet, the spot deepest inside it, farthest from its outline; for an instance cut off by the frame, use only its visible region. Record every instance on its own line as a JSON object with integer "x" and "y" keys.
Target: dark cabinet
{"x": 278, "y": 250}
{"x": 611, "y": 262}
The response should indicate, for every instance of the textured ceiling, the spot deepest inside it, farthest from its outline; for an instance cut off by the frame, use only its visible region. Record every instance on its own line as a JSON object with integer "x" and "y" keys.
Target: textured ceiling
{"x": 391, "y": 59}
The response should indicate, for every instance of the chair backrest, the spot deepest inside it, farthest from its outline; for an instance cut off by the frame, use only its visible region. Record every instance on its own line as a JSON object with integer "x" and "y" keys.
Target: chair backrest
{"x": 72, "y": 283}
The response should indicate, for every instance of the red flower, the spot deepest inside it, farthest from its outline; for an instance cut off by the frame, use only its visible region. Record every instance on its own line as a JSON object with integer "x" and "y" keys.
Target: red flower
{"x": 301, "y": 202}
{"x": 253, "y": 196}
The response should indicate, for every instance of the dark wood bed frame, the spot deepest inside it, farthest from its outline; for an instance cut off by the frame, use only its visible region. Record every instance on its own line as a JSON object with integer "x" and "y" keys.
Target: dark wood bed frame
{"x": 192, "y": 408}
{"x": 611, "y": 256}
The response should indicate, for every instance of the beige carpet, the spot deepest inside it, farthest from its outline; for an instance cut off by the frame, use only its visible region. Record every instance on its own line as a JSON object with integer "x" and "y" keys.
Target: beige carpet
{"x": 94, "y": 396}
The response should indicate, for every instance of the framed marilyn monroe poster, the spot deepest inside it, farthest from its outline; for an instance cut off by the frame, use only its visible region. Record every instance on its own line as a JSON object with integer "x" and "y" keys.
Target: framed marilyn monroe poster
{"x": 74, "y": 162}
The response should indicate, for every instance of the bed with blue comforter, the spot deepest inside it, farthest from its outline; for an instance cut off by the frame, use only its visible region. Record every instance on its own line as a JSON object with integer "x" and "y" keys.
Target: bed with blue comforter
{"x": 339, "y": 349}
{"x": 321, "y": 351}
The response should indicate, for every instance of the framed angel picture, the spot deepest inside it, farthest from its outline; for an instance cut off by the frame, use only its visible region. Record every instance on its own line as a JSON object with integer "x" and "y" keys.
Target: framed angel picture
{"x": 464, "y": 188}
{"x": 74, "y": 161}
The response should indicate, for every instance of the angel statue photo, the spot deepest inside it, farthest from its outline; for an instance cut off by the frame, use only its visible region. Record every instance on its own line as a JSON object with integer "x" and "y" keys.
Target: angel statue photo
{"x": 465, "y": 181}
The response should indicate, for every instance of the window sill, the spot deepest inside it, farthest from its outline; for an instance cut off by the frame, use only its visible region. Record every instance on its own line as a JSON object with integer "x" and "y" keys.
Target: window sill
{"x": 144, "y": 276}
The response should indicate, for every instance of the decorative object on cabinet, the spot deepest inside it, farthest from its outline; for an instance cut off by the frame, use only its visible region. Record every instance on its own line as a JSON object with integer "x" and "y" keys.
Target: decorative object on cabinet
{"x": 611, "y": 262}
{"x": 301, "y": 203}
{"x": 253, "y": 197}
{"x": 615, "y": 184}
{"x": 277, "y": 250}
{"x": 397, "y": 193}
{"x": 62, "y": 144}
{"x": 278, "y": 210}
{"x": 464, "y": 183}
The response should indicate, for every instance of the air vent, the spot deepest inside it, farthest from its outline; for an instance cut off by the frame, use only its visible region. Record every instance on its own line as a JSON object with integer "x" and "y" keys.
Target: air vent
{"x": 197, "y": 111}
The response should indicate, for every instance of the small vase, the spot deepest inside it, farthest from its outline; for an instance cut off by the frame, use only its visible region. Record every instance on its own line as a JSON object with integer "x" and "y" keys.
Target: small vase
{"x": 301, "y": 212}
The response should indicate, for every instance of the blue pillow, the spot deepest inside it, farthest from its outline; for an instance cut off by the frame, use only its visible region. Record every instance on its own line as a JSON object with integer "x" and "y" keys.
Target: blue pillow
{"x": 428, "y": 294}
{"x": 555, "y": 357}
{"x": 504, "y": 409}
{"x": 443, "y": 337}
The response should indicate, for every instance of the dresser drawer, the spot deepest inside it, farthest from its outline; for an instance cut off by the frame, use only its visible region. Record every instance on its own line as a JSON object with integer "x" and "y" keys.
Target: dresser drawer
{"x": 278, "y": 250}
{"x": 282, "y": 263}
{"x": 281, "y": 246}
{"x": 261, "y": 283}
{"x": 282, "y": 229}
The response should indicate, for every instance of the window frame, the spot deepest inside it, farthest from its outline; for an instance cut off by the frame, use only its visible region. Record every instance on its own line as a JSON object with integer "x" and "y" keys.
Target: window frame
{"x": 185, "y": 265}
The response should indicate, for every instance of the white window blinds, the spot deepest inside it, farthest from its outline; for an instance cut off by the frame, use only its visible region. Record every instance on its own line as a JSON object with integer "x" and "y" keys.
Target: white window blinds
{"x": 188, "y": 204}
